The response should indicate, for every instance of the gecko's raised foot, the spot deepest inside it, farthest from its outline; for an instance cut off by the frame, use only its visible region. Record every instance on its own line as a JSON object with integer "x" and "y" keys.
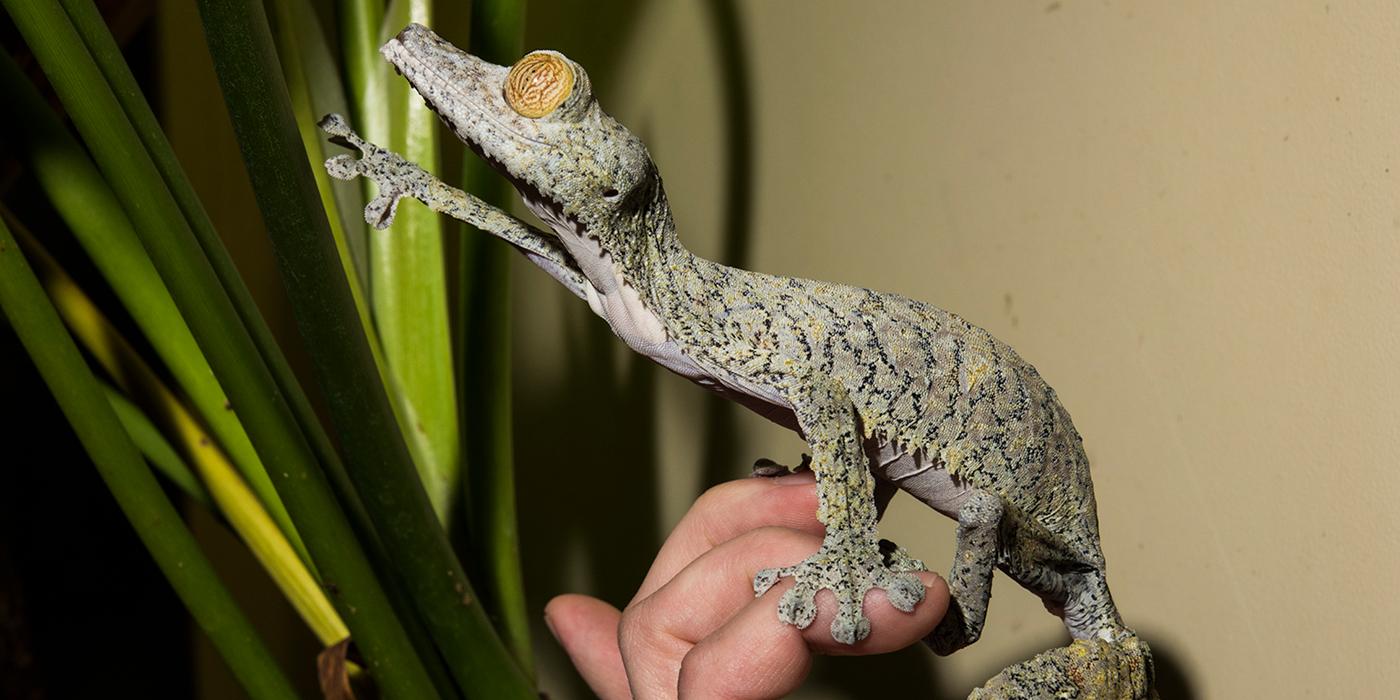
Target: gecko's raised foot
{"x": 388, "y": 170}
{"x": 849, "y": 571}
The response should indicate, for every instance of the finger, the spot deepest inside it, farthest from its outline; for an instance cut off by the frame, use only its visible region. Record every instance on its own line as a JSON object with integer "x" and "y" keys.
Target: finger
{"x": 587, "y": 629}
{"x": 658, "y": 631}
{"x": 731, "y": 508}
{"x": 754, "y": 655}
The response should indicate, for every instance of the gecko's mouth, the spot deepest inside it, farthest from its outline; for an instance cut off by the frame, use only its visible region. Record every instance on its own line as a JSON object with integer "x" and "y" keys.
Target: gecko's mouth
{"x": 544, "y": 206}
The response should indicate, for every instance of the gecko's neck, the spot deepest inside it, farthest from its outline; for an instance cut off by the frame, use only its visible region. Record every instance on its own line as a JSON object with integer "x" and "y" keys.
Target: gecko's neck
{"x": 652, "y": 258}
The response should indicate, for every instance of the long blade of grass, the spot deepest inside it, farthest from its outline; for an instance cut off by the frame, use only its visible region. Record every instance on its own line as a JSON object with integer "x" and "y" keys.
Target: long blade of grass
{"x": 408, "y": 289}
{"x": 229, "y": 492}
{"x": 85, "y": 202}
{"x": 155, "y": 448}
{"x": 376, "y": 454}
{"x": 360, "y": 21}
{"x": 222, "y": 336}
{"x": 87, "y": 21}
{"x": 497, "y": 35}
{"x": 314, "y": 83}
{"x": 131, "y": 482}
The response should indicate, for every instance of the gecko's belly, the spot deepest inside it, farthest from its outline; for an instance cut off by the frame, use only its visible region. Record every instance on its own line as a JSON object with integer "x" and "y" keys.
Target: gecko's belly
{"x": 921, "y": 476}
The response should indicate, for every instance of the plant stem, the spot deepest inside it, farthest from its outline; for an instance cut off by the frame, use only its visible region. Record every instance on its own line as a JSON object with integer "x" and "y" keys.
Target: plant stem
{"x": 131, "y": 482}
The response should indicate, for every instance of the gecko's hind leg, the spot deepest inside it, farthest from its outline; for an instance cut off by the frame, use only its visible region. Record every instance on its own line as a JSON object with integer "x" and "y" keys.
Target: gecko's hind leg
{"x": 849, "y": 562}
{"x": 970, "y": 578}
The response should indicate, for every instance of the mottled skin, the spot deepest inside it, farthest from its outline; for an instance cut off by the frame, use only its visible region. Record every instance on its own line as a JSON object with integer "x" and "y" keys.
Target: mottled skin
{"x": 884, "y": 388}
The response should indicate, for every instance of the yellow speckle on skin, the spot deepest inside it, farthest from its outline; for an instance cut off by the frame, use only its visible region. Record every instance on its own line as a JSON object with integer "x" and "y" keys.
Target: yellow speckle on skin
{"x": 976, "y": 372}
{"x": 952, "y": 458}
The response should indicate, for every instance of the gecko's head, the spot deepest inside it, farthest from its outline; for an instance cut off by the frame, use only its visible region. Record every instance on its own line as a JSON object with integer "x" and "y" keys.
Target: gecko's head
{"x": 538, "y": 124}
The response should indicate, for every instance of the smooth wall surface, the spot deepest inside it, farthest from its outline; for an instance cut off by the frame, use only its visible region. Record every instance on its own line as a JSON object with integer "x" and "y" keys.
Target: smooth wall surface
{"x": 1187, "y": 215}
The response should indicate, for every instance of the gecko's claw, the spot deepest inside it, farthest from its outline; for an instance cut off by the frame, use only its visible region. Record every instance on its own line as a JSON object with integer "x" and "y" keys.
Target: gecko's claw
{"x": 848, "y": 570}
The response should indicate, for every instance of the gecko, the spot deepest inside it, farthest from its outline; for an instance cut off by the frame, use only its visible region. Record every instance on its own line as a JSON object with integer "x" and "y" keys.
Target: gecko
{"x": 888, "y": 392}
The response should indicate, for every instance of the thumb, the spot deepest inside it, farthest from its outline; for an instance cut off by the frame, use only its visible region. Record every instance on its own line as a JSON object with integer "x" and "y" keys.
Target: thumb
{"x": 587, "y": 629}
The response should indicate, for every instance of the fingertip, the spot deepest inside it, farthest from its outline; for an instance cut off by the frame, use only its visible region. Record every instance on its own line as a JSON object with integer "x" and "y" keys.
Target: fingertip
{"x": 587, "y": 629}
{"x": 754, "y": 655}
{"x": 890, "y": 629}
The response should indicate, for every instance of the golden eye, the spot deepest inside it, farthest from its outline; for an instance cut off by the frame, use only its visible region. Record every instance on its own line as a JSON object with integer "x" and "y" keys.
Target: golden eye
{"x": 538, "y": 84}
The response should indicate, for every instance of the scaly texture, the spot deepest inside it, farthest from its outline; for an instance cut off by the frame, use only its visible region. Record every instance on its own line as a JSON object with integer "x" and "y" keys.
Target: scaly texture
{"x": 888, "y": 391}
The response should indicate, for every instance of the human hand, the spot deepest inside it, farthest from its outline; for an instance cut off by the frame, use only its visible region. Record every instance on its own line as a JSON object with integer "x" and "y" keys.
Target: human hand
{"x": 695, "y": 628}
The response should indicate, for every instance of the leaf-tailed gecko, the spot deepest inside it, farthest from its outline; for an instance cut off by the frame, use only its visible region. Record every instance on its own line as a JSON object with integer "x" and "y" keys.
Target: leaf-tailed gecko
{"x": 887, "y": 391}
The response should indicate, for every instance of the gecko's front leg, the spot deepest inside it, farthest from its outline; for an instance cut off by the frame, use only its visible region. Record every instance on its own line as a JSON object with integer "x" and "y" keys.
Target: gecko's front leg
{"x": 397, "y": 178}
{"x": 850, "y": 561}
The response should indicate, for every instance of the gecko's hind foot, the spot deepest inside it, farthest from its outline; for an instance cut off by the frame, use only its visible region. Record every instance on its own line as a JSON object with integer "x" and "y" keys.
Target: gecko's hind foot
{"x": 849, "y": 571}
{"x": 767, "y": 467}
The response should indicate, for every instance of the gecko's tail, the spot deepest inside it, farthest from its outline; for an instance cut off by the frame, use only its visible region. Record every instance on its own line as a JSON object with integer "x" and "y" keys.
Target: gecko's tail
{"x": 1086, "y": 669}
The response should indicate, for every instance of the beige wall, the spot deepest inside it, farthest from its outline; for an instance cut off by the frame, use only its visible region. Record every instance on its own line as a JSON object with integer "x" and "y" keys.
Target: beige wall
{"x": 1184, "y": 214}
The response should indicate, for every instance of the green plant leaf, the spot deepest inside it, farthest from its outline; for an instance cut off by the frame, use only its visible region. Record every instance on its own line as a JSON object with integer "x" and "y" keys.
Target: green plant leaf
{"x": 107, "y": 56}
{"x": 225, "y": 488}
{"x": 315, "y": 87}
{"x": 497, "y": 35}
{"x": 376, "y": 453}
{"x": 408, "y": 289}
{"x": 155, "y": 448}
{"x": 220, "y": 331}
{"x": 85, "y": 202}
{"x": 137, "y": 493}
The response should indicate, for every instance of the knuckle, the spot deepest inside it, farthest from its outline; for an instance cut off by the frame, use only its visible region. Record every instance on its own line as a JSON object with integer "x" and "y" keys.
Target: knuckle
{"x": 635, "y": 633}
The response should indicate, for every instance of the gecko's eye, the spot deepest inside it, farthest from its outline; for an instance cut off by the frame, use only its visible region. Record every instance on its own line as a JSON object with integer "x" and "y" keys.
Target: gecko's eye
{"x": 538, "y": 84}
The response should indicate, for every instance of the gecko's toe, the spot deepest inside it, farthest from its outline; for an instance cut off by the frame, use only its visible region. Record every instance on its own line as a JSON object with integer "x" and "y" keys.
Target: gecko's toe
{"x": 334, "y": 124}
{"x": 379, "y": 213}
{"x": 764, "y": 580}
{"x": 798, "y": 606}
{"x": 767, "y": 467}
{"x": 849, "y": 628}
{"x": 849, "y": 570}
{"x": 903, "y": 590}
{"x": 344, "y": 167}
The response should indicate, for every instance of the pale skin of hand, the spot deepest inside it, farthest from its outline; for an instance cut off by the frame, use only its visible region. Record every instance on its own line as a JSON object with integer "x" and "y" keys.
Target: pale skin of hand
{"x": 695, "y": 629}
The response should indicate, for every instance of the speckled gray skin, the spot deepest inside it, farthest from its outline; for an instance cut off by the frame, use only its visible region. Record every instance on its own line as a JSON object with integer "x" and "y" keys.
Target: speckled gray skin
{"x": 881, "y": 387}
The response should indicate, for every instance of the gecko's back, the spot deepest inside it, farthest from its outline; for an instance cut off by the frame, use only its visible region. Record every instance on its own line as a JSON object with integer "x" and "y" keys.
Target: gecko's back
{"x": 923, "y": 380}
